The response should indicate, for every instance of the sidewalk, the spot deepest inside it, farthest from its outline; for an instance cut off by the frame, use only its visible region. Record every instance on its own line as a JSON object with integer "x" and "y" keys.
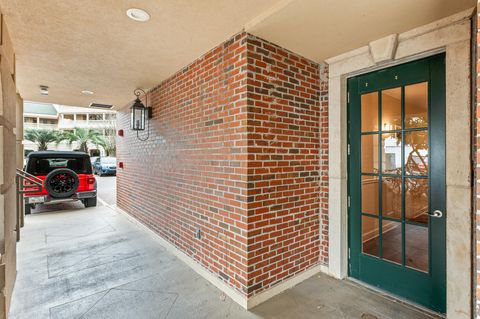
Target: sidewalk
{"x": 96, "y": 263}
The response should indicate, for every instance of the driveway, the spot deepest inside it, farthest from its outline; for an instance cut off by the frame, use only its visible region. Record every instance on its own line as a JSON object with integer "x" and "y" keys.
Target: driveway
{"x": 107, "y": 189}
{"x": 97, "y": 263}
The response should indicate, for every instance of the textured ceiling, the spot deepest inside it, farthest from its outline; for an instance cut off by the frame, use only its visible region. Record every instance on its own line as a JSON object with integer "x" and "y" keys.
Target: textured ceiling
{"x": 320, "y": 29}
{"x": 73, "y": 45}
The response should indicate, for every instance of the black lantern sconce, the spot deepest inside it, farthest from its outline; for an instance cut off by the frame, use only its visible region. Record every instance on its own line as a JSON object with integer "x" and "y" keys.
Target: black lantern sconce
{"x": 140, "y": 115}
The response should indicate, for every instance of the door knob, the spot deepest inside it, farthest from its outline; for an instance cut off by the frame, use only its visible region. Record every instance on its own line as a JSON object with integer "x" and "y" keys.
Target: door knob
{"x": 437, "y": 214}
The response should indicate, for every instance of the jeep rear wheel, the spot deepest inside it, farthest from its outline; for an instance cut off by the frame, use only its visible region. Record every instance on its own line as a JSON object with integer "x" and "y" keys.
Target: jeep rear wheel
{"x": 61, "y": 183}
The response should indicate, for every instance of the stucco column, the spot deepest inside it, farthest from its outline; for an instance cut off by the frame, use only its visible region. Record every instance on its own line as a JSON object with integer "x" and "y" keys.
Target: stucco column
{"x": 19, "y": 132}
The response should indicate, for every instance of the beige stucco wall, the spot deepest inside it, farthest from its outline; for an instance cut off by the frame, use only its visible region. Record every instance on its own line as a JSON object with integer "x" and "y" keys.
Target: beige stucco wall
{"x": 452, "y": 36}
{"x": 8, "y": 118}
{"x": 19, "y": 132}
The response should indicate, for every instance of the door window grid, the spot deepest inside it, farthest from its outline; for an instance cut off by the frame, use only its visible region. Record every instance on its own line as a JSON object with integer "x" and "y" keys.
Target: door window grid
{"x": 413, "y": 169}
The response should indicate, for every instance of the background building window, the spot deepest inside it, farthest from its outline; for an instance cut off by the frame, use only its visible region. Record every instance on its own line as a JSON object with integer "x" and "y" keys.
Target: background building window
{"x": 110, "y": 117}
{"x": 95, "y": 117}
{"x": 48, "y": 121}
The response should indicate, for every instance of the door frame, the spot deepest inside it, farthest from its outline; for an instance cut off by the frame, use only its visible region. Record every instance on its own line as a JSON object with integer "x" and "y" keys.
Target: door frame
{"x": 452, "y": 36}
{"x": 378, "y": 271}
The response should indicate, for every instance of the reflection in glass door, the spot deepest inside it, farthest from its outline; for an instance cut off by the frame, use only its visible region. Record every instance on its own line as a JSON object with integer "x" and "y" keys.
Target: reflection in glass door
{"x": 395, "y": 175}
{"x": 397, "y": 179}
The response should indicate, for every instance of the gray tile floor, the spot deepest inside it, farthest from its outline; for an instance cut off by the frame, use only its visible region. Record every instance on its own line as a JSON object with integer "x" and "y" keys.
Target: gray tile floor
{"x": 95, "y": 263}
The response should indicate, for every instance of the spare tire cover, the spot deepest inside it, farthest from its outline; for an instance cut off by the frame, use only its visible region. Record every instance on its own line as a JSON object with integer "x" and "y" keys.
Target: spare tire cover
{"x": 61, "y": 183}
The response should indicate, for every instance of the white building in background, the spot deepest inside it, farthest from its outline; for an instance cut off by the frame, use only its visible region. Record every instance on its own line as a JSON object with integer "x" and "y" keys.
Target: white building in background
{"x": 67, "y": 118}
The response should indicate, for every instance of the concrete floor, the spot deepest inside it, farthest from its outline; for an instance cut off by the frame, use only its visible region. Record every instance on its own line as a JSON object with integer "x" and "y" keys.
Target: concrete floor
{"x": 96, "y": 263}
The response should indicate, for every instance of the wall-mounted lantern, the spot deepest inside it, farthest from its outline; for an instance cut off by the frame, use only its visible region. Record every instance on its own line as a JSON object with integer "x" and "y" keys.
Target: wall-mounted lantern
{"x": 140, "y": 114}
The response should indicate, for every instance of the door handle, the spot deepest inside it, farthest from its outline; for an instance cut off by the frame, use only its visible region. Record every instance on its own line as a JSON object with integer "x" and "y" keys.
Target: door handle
{"x": 437, "y": 214}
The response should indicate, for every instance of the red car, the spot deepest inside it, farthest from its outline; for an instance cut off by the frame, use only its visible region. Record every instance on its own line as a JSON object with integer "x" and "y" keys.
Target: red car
{"x": 66, "y": 176}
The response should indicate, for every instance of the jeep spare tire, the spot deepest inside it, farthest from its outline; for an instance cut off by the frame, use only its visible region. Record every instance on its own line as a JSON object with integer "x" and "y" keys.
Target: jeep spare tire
{"x": 61, "y": 183}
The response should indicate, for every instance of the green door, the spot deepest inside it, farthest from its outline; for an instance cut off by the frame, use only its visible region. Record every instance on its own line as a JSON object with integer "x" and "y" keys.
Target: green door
{"x": 396, "y": 180}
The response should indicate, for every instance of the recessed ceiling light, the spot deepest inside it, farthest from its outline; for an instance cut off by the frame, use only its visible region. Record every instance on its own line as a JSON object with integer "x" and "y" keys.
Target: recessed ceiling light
{"x": 43, "y": 90}
{"x": 138, "y": 14}
{"x": 87, "y": 92}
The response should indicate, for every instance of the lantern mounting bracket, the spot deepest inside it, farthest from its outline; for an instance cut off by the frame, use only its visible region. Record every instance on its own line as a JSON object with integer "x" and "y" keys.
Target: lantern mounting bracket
{"x": 146, "y": 112}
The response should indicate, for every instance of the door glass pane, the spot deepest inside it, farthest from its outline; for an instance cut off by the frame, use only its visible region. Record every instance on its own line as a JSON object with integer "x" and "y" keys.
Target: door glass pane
{"x": 416, "y": 153}
{"x": 392, "y": 109}
{"x": 370, "y": 236}
{"x": 370, "y": 202}
{"x": 416, "y": 200}
{"x": 392, "y": 197}
{"x": 370, "y": 153}
{"x": 369, "y": 112}
{"x": 392, "y": 153}
{"x": 392, "y": 241}
{"x": 416, "y": 105}
{"x": 416, "y": 247}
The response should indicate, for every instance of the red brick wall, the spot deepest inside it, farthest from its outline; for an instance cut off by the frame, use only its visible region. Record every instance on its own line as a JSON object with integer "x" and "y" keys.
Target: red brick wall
{"x": 191, "y": 173}
{"x": 238, "y": 148}
{"x": 284, "y": 166}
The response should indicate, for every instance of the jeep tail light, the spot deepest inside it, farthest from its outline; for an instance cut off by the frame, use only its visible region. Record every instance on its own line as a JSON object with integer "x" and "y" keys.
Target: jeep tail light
{"x": 91, "y": 180}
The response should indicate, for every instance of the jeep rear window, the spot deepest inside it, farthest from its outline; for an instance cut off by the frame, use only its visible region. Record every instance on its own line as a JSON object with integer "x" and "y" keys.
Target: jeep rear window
{"x": 44, "y": 165}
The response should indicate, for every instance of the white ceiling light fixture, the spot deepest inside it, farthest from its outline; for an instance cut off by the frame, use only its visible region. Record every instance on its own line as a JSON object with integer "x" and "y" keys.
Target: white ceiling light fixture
{"x": 43, "y": 90}
{"x": 138, "y": 14}
{"x": 87, "y": 92}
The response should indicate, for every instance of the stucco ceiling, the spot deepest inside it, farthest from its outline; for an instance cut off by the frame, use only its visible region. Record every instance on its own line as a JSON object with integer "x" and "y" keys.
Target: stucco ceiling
{"x": 73, "y": 45}
{"x": 320, "y": 29}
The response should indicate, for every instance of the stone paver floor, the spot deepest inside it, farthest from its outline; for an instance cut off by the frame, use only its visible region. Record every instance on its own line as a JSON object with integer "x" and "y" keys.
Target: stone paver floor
{"x": 96, "y": 263}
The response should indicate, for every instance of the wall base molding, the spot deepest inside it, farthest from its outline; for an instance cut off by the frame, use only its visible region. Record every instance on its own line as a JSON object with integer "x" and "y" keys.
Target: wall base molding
{"x": 243, "y": 301}
{"x": 198, "y": 268}
{"x": 285, "y": 285}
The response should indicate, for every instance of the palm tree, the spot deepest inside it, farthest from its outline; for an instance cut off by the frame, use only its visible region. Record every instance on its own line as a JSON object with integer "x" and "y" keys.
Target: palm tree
{"x": 107, "y": 143}
{"x": 82, "y": 136}
{"x": 42, "y": 137}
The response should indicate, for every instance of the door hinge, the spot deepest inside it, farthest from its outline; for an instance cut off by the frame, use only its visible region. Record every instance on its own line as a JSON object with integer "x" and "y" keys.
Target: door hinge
{"x": 348, "y": 253}
{"x": 348, "y": 149}
{"x": 348, "y": 201}
{"x": 348, "y": 97}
